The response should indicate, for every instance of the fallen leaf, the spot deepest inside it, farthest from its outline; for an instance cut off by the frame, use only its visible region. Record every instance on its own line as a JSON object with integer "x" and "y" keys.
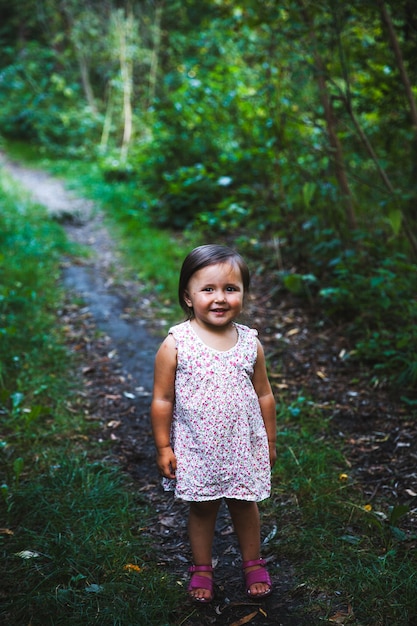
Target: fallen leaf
{"x": 290, "y": 333}
{"x": 246, "y": 619}
{"x": 131, "y": 567}
{"x": 169, "y": 521}
{"x": 113, "y": 424}
{"x": 383, "y": 438}
{"x": 6, "y": 531}
{"x": 27, "y": 554}
{"x": 342, "y": 617}
{"x": 94, "y": 588}
{"x": 270, "y": 535}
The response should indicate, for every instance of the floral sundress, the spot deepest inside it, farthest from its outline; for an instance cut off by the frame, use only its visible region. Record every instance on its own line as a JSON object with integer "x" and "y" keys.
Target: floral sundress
{"x": 217, "y": 433}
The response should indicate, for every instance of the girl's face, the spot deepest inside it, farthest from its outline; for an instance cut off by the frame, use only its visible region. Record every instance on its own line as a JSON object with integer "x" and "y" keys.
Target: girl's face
{"x": 215, "y": 294}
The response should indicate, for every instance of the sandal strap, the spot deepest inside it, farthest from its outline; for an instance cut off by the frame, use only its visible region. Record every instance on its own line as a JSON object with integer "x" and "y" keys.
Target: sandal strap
{"x": 200, "y": 582}
{"x": 200, "y": 568}
{"x": 260, "y": 575}
{"x": 260, "y": 562}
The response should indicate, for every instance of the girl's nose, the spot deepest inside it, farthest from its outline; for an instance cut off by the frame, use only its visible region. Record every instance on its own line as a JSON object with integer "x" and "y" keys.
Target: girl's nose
{"x": 220, "y": 297}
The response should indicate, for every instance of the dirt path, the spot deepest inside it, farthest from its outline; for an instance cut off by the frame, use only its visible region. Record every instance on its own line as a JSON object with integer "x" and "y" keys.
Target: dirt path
{"x": 117, "y": 366}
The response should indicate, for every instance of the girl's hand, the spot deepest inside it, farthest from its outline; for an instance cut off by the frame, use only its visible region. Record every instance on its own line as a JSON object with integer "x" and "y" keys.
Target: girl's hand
{"x": 167, "y": 462}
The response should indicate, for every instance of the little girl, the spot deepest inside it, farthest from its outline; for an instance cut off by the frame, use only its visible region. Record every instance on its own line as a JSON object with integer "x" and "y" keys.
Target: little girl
{"x": 214, "y": 415}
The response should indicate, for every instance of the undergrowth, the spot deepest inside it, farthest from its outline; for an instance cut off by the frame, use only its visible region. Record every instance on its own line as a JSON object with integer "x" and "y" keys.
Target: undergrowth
{"x": 72, "y": 542}
{"x": 355, "y": 562}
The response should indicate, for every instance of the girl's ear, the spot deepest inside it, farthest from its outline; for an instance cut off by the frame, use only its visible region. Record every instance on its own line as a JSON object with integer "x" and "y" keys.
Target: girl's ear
{"x": 187, "y": 299}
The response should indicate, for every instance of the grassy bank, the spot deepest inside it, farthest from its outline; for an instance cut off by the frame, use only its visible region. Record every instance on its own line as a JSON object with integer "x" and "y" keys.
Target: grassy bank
{"x": 71, "y": 546}
{"x": 151, "y": 255}
{"x": 355, "y": 562}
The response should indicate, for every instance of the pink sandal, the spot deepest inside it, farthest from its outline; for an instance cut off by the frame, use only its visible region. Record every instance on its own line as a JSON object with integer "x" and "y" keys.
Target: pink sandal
{"x": 201, "y": 582}
{"x": 259, "y": 575}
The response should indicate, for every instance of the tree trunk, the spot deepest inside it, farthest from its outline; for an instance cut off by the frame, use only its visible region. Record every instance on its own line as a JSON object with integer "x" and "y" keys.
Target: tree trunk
{"x": 81, "y": 59}
{"x": 405, "y": 223}
{"x": 85, "y": 79}
{"x": 386, "y": 18}
{"x": 124, "y": 29}
{"x": 107, "y": 120}
{"x": 157, "y": 36}
{"x": 335, "y": 145}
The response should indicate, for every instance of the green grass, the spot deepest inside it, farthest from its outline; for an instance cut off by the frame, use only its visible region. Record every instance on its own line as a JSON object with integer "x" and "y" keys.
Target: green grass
{"x": 30, "y": 246}
{"x": 70, "y": 522}
{"x": 79, "y": 528}
{"x": 348, "y": 553}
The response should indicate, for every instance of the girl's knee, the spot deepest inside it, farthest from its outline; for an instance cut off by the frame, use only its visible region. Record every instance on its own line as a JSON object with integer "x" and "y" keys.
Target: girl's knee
{"x": 203, "y": 509}
{"x": 243, "y": 506}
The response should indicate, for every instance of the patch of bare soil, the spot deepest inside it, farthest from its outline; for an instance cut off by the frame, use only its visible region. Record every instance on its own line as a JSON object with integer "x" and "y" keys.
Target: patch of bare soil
{"x": 110, "y": 327}
{"x": 377, "y": 430}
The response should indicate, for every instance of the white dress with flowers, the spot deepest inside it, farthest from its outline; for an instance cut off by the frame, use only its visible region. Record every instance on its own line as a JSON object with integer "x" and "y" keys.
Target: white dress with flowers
{"x": 218, "y": 434}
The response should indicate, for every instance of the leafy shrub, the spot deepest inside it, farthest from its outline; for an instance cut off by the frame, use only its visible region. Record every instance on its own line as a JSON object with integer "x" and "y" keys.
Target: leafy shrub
{"x": 187, "y": 191}
{"x": 376, "y": 296}
{"x": 38, "y": 103}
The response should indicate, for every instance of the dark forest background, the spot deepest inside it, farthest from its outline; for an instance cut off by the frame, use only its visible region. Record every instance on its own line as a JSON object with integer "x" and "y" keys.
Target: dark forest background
{"x": 287, "y": 127}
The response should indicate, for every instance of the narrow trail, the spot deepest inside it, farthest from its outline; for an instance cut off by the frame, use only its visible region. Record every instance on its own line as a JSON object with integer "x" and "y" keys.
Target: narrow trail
{"x": 117, "y": 367}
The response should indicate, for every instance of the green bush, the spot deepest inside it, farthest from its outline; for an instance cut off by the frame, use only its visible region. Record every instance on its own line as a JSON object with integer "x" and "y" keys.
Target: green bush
{"x": 38, "y": 103}
{"x": 376, "y": 295}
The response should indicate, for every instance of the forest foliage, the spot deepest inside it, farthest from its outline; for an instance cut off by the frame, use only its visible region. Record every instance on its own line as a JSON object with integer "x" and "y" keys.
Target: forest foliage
{"x": 288, "y": 129}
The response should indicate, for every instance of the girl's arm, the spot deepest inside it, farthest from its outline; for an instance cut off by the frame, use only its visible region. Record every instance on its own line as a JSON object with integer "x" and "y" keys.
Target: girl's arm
{"x": 266, "y": 401}
{"x": 162, "y": 406}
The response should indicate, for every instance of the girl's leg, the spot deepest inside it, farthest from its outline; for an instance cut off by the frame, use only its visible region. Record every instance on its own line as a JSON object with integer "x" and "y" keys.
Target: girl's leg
{"x": 201, "y": 524}
{"x": 246, "y": 522}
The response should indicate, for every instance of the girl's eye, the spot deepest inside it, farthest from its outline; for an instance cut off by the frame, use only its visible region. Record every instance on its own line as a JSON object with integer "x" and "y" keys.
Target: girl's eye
{"x": 231, "y": 289}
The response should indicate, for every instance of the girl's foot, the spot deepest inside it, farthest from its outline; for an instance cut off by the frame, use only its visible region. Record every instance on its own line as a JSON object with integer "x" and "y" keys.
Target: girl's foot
{"x": 257, "y": 579}
{"x": 201, "y": 583}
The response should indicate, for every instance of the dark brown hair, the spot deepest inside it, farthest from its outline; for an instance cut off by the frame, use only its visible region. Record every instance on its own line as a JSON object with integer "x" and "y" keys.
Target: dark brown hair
{"x": 210, "y": 254}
